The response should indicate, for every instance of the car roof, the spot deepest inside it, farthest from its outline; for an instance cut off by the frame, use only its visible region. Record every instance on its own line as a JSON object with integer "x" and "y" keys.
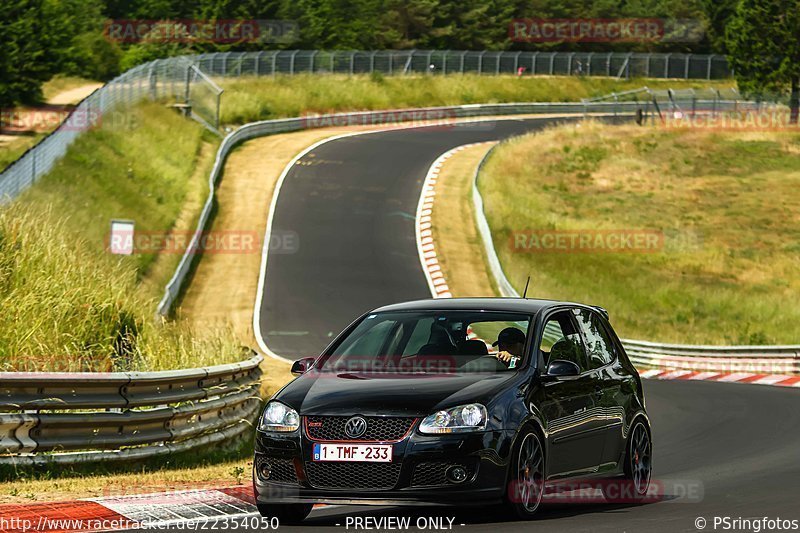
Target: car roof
{"x": 520, "y": 305}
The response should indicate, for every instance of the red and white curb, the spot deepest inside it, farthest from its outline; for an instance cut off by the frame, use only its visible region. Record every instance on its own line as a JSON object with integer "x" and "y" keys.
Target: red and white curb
{"x": 776, "y": 380}
{"x": 130, "y": 512}
{"x": 424, "y": 225}
{"x": 439, "y": 289}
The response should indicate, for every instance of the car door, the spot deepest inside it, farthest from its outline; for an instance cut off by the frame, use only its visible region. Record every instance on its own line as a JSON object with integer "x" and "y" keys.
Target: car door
{"x": 568, "y": 403}
{"x": 609, "y": 385}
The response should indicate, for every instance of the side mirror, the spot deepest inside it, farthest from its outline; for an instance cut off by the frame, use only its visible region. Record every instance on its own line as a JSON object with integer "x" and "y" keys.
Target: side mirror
{"x": 301, "y": 366}
{"x": 560, "y": 369}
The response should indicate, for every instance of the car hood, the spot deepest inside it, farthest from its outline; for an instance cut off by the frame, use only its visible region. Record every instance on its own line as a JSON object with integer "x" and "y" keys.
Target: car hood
{"x": 318, "y": 393}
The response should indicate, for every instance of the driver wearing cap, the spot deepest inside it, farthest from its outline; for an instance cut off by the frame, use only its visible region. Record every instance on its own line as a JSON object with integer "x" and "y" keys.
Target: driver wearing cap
{"x": 511, "y": 344}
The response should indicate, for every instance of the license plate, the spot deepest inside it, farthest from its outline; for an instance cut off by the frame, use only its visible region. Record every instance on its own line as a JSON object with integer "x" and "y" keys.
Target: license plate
{"x": 361, "y": 453}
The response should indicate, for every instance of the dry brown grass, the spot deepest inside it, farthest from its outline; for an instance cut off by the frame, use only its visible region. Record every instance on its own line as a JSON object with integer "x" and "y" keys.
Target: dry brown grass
{"x": 459, "y": 247}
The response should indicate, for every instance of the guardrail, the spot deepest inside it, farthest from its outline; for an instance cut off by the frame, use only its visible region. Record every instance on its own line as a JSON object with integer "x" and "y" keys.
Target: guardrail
{"x": 645, "y": 354}
{"x": 62, "y": 418}
{"x": 269, "y": 127}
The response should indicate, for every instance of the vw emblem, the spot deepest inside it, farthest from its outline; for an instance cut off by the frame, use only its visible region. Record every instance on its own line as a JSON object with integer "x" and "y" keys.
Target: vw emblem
{"x": 355, "y": 427}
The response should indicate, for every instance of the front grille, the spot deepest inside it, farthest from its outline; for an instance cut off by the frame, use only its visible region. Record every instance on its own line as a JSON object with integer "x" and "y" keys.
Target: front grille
{"x": 379, "y": 428}
{"x": 352, "y": 475}
{"x": 281, "y": 470}
{"x": 433, "y": 473}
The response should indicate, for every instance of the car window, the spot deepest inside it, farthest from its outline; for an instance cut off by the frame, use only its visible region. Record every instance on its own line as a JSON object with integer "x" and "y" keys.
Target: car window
{"x": 599, "y": 347}
{"x": 372, "y": 340}
{"x": 419, "y": 335}
{"x": 561, "y": 341}
{"x": 431, "y": 341}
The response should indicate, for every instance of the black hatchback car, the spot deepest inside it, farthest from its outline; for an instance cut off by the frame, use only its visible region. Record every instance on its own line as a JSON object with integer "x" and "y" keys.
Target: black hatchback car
{"x": 459, "y": 401}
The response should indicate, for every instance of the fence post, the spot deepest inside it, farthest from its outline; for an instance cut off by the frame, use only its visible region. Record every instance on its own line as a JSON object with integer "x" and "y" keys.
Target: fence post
{"x": 258, "y": 63}
{"x": 647, "y": 67}
{"x": 666, "y": 65}
{"x": 461, "y": 64}
{"x": 480, "y": 62}
{"x": 533, "y": 63}
{"x": 552, "y": 60}
{"x": 444, "y": 61}
{"x": 608, "y": 64}
{"x": 372, "y": 61}
{"x": 708, "y": 69}
{"x": 352, "y": 59}
{"x": 291, "y": 62}
{"x": 569, "y": 63}
{"x": 274, "y": 62}
{"x": 313, "y": 56}
{"x": 516, "y": 62}
{"x": 686, "y": 68}
{"x": 589, "y": 64}
{"x": 428, "y": 61}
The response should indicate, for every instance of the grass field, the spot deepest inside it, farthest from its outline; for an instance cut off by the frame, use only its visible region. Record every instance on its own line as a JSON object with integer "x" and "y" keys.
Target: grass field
{"x": 69, "y": 304}
{"x": 247, "y": 99}
{"x": 725, "y": 203}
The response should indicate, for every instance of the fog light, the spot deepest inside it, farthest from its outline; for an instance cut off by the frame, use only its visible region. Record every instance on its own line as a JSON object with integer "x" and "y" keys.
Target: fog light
{"x": 456, "y": 474}
{"x": 264, "y": 470}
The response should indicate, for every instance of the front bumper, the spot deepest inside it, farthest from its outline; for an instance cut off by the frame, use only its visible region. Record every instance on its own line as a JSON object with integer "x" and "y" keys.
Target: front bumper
{"x": 415, "y": 476}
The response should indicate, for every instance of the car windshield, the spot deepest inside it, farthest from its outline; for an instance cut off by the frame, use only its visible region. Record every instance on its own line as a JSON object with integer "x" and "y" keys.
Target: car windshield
{"x": 431, "y": 342}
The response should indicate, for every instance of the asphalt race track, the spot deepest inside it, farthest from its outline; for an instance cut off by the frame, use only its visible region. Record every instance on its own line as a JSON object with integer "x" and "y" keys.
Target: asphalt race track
{"x": 720, "y": 450}
{"x": 351, "y": 203}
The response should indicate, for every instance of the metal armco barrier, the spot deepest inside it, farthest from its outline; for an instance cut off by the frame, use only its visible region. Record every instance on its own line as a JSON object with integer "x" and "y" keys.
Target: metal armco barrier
{"x": 729, "y": 359}
{"x": 91, "y": 417}
{"x": 645, "y": 354}
{"x": 377, "y": 118}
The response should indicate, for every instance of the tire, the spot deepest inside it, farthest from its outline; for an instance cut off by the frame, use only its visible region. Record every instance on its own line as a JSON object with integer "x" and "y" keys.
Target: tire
{"x": 286, "y": 513}
{"x": 638, "y": 465}
{"x": 526, "y": 476}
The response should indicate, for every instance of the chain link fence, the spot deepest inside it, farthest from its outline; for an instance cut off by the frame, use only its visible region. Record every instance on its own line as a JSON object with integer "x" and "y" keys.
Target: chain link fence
{"x": 615, "y": 64}
{"x": 187, "y": 80}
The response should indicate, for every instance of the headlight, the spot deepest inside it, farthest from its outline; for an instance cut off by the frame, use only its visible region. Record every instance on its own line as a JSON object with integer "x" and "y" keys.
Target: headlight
{"x": 461, "y": 419}
{"x": 279, "y": 417}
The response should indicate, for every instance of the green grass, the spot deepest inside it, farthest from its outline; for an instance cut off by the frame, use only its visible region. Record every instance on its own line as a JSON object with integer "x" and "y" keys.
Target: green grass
{"x": 12, "y": 149}
{"x": 247, "y": 99}
{"x": 69, "y": 304}
{"x": 726, "y": 203}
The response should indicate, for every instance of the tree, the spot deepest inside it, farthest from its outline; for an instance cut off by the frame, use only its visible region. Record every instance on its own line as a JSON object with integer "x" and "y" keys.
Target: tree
{"x": 25, "y": 61}
{"x": 763, "y": 41}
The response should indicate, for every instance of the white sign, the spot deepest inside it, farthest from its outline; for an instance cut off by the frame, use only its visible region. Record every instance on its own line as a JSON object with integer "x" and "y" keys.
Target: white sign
{"x": 121, "y": 240}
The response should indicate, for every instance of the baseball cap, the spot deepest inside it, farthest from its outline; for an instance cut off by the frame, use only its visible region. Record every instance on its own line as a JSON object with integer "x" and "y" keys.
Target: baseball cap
{"x": 510, "y": 336}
